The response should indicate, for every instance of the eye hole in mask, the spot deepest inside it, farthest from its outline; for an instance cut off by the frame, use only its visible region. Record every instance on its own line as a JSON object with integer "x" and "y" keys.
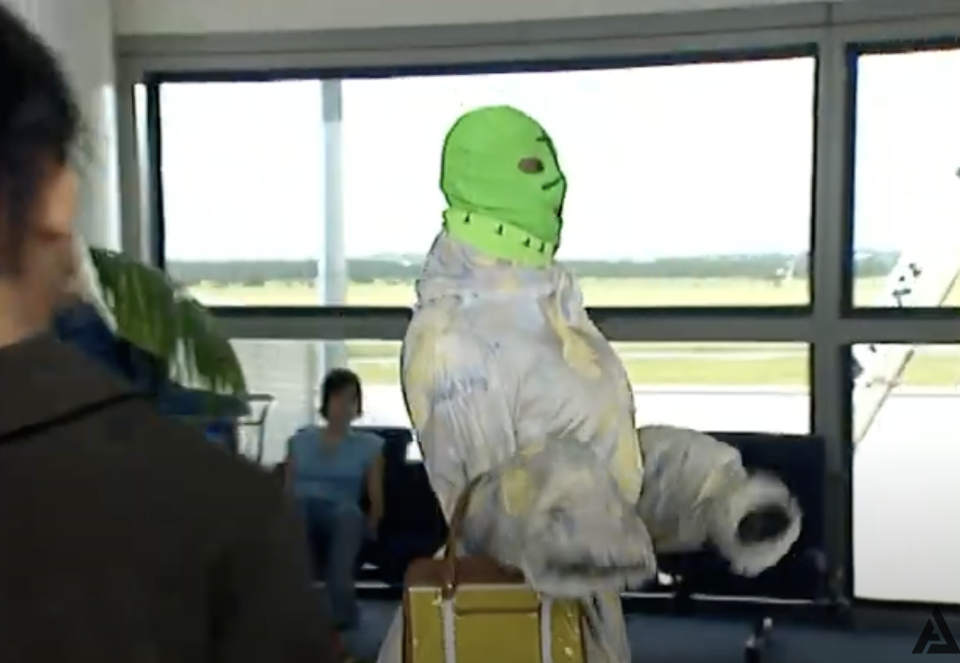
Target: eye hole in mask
{"x": 531, "y": 165}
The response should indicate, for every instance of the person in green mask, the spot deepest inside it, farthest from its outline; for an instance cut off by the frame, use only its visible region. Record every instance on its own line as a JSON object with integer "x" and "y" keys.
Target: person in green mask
{"x": 504, "y": 187}
{"x": 505, "y": 377}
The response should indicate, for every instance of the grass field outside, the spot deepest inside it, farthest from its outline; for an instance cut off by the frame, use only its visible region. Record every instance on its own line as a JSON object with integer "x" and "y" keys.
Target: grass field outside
{"x": 629, "y": 292}
{"x": 659, "y": 363}
{"x": 790, "y": 370}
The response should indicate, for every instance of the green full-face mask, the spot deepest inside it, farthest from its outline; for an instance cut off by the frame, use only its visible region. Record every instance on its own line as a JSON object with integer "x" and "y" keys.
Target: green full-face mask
{"x": 504, "y": 186}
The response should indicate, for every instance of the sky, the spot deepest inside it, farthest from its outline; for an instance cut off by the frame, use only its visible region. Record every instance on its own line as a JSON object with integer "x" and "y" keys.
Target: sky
{"x": 679, "y": 160}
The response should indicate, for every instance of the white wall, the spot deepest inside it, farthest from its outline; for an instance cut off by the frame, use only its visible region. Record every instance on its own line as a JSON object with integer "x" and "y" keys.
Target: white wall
{"x": 204, "y": 16}
{"x": 81, "y": 31}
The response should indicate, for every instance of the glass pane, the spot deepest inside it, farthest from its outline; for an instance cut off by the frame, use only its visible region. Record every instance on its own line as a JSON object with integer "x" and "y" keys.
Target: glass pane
{"x": 906, "y": 190}
{"x": 712, "y": 386}
{"x": 243, "y": 190}
{"x": 689, "y": 185}
{"x": 905, "y": 486}
{"x": 721, "y": 386}
{"x": 291, "y": 372}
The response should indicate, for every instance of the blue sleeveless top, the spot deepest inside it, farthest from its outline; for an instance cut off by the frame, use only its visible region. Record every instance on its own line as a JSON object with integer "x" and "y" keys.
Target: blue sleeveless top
{"x": 336, "y": 473}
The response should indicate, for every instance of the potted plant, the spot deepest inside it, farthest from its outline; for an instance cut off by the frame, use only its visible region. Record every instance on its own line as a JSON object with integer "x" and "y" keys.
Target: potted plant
{"x": 148, "y": 309}
{"x": 136, "y": 320}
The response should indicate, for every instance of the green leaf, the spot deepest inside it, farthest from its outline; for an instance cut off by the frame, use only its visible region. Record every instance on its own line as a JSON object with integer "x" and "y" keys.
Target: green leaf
{"x": 158, "y": 316}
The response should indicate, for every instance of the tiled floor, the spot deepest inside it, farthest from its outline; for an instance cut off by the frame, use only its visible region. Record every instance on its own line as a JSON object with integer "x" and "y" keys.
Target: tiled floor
{"x": 677, "y": 640}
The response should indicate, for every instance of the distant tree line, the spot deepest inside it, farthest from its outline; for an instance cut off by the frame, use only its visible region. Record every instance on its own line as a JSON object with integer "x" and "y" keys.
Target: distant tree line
{"x": 771, "y": 267}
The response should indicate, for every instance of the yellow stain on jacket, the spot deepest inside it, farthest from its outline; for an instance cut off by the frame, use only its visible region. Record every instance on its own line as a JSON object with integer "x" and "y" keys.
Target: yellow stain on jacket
{"x": 517, "y": 492}
{"x": 577, "y": 353}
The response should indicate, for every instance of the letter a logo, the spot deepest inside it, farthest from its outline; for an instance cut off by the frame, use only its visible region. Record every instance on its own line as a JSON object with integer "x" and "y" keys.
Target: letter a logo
{"x": 938, "y": 636}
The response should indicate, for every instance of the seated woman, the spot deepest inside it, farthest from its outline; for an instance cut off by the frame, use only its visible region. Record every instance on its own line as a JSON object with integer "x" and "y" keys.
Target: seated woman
{"x": 329, "y": 468}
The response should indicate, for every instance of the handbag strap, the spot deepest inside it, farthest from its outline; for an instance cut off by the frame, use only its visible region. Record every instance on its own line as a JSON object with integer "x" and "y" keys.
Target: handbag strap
{"x": 455, "y": 535}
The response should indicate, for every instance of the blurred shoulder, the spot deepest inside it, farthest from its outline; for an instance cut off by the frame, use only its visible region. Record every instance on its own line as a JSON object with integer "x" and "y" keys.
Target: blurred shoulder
{"x": 308, "y": 432}
{"x": 169, "y": 453}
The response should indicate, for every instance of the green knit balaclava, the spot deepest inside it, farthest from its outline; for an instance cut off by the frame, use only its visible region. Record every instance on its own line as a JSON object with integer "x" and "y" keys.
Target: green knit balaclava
{"x": 504, "y": 186}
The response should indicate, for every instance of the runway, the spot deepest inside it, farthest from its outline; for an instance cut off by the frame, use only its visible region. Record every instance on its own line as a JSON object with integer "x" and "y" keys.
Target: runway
{"x": 906, "y": 472}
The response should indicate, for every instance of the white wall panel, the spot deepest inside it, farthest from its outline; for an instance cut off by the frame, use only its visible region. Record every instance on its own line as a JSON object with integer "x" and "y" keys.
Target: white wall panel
{"x": 81, "y": 31}
{"x": 154, "y": 17}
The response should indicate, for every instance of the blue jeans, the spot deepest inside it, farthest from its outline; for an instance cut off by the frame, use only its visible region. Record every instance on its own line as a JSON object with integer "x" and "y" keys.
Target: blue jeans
{"x": 336, "y": 531}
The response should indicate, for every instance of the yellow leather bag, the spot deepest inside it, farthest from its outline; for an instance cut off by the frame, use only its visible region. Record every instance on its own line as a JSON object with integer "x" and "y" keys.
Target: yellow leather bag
{"x": 473, "y": 610}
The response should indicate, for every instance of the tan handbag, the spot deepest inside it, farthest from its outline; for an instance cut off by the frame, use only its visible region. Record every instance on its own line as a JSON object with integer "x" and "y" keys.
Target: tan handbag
{"x": 473, "y": 610}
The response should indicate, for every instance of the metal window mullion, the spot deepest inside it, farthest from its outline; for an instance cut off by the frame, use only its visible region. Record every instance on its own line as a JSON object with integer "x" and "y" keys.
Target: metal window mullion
{"x": 331, "y": 275}
{"x": 916, "y": 327}
{"x": 153, "y": 179}
{"x": 334, "y": 258}
{"x": 831, "y": 244}
{"x": 630, "y": 325}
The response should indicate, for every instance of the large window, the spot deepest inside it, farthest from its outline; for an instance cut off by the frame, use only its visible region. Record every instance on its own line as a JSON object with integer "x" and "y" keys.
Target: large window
{"x": 712, "y": 386}
{"x": 907, "y": 193}
{"x": 720, "y": 386}
{"x": 690, "y": 185}
{"x": 905, "y": 397}
{"x": 243, "y": 191}
{"x": 693, "y": 183}
{"x": 905, "y": 480}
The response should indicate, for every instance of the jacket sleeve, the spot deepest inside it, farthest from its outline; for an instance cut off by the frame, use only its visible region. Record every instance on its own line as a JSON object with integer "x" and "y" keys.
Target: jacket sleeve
{"x": 265, "y": 608}
{"x": 460, "y": 407}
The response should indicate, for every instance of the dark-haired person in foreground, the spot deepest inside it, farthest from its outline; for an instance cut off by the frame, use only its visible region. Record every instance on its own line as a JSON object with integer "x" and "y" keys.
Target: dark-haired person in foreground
{"x": 329, "y": 469}
{"x": 124, "y": 536}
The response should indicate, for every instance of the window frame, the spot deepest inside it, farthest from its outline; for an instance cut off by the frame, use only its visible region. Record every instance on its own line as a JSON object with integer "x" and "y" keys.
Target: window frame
{"x": 830, "y": 325}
